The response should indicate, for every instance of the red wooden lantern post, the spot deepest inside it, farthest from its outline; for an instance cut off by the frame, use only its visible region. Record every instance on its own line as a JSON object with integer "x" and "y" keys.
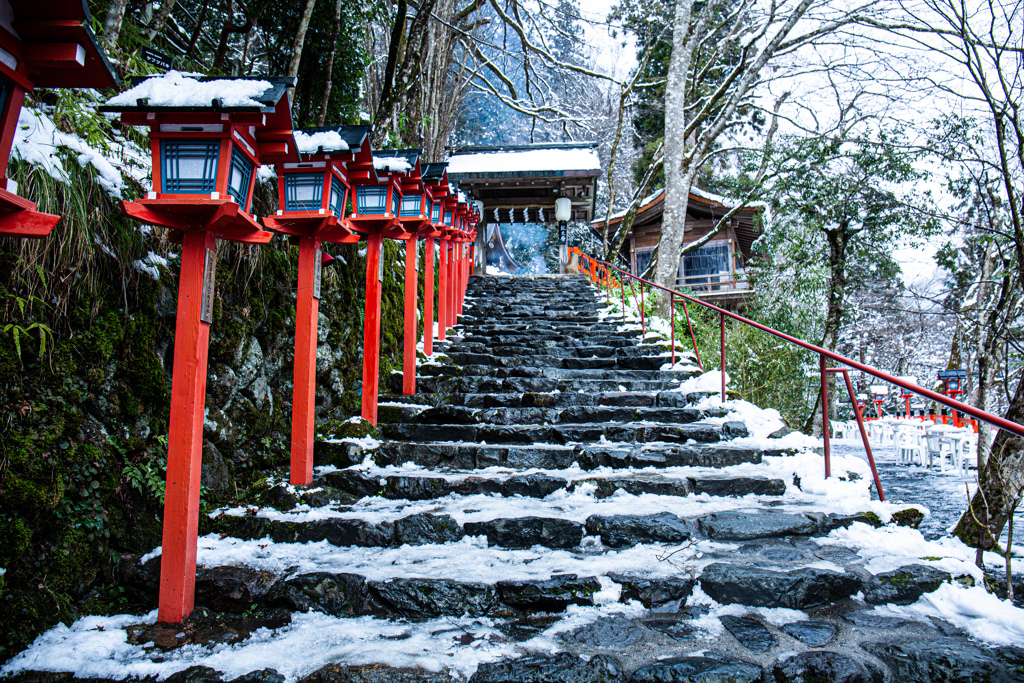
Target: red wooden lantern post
{"x": 377, "y": 186}
{"x": 436, "y": 180}
{"x": 312, "y": 195}
{"x": 48, "y": 45}
{"x": 417, "y": 204}
{"x": 205, "y": 156}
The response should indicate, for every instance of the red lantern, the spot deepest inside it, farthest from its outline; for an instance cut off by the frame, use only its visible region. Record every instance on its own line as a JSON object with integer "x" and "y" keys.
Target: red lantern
{"x": 208, "y": 139}
{"x": 48, "y": 45}
{"x": 435, "y": 179}
{"x": 312, "y": 194}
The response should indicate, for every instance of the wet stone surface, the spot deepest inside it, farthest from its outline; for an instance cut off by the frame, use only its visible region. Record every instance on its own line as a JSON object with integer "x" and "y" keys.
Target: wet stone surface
{"x": 750, "y": 632}
{"x": 813, "y": 633}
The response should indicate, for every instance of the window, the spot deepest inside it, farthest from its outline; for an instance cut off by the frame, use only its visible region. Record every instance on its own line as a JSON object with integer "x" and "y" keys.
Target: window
{"x": 448, "y": 218}
{"x": 189, "y": 166}
{"x": 337, "y": 196}
{"x": 705, "y": 265}
{"x": 238, "y": 178}
{"x": 435, "y": 212}
{"x": 303, "y": 191}
{"x": 411, "y": 204}
{"x": 643, "y": 259}
{"x": 371, "y": 200}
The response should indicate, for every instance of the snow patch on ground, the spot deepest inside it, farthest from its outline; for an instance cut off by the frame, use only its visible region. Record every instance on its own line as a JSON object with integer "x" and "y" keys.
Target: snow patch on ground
{"x": 36, "y": 141}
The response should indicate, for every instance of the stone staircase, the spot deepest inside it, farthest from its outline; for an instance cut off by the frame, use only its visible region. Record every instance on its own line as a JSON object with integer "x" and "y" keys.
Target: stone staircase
{"x": 554, "y": 506}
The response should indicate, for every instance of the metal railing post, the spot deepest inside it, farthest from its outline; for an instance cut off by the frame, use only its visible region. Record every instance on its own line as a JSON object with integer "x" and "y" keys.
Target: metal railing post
{"x": 643, "y": 323}
{"x": 863, "y": 432}
{"x": 824, "y": 416}
{"x": 693, "y": 337}
{"x": 672, "y": 324}
{"x": 721, "y": 317}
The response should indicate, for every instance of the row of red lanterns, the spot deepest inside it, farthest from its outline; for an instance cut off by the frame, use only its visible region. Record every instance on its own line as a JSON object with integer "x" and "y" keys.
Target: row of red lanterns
{"x": 331, "y": 189}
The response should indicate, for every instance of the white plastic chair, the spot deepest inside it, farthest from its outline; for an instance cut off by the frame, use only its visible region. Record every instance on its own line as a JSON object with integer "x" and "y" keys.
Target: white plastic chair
{"x": 909, "y": 449}
{"x": 940, "y": 447}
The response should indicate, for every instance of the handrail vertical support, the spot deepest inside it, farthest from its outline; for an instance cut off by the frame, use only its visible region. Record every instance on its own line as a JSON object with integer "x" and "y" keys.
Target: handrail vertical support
{"x": 824, "y": 416}
{"x": 672, "y": 324}
{"x": 693, "y": 337}
{"x": 643, "y": 322}
{"x": 863, "y": 431}
{"x": 721, "y": 318}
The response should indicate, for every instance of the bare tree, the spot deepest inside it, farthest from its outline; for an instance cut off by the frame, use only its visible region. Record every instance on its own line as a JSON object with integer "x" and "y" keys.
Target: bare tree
{"x": 696, "y": 119}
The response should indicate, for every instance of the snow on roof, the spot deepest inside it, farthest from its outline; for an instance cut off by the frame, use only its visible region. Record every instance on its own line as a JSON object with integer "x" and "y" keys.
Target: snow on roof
{"x": 175, "y": 89}
{"x": 525, "y": 160}
{"x": 330, "y": 140}
{"x": 392, "y": 164}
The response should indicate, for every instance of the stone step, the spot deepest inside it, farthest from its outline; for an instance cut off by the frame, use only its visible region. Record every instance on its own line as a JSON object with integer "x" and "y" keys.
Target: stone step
{"x": 521, "y": 533}
{"x": 545, "y": 413}
{"x": 534, "y": 431}
{"x": 613, "y": 362}
{"x": 351, "y": 484}
{"x": 528, "y": 385}
{"x": 639, "y": 399}
{"x": 469, "y": 456}
{"x": 548, "y": 372}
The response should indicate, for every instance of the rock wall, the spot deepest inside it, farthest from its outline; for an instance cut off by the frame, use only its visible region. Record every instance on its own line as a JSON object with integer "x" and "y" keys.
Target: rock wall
{"x": 83, "y": 425}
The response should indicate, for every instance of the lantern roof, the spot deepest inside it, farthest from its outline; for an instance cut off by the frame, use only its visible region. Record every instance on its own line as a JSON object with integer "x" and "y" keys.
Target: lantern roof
{"x": 187, "y": 92}
{"x": 331, "y": 139}
{"x": 435, "y": 172}
{"x": 53, "y": 40}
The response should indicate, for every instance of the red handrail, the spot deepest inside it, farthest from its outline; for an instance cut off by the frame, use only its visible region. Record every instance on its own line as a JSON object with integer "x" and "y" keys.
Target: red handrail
{"x": 984, "y": 416}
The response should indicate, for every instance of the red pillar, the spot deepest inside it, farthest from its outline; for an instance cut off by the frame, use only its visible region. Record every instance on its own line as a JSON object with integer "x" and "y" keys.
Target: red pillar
{"x": 307, "y": 309}
{"x": 409, "y": 364}
{"x": 461, "y": 292}
{"x": 428, "y": 296}
{"x": 371, "y": 328}
{"x": 442, "y": 289}
{"x": 453, "y": 285}
{"x": 185, "y": 441}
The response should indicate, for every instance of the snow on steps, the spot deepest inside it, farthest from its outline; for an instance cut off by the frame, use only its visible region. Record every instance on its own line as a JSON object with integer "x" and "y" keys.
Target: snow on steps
{"x": 591, "y": 538}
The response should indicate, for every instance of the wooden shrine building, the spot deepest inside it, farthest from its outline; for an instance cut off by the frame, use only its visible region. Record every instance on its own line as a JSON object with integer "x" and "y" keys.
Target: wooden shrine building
{"x": 716, "y": 271}
{"x": 520, "y": 183}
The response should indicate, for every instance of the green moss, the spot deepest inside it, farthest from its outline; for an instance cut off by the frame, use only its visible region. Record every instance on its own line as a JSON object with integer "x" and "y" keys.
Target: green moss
{"x": 871, "y": 518}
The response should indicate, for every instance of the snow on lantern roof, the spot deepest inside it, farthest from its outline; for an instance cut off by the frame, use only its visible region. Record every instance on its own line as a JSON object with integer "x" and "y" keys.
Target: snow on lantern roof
{"x": 396, "y": 160}
{"x": 553, "y": 157}
{"x": 177, "y": 90}
{"x": 330, "y": 139}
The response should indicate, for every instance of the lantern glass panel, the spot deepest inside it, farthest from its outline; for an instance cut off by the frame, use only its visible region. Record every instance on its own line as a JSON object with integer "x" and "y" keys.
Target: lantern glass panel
{"x": 395, "y": 199}
{"x": 435, "y": 212}
{"x": 189, "y": 166}
{"x": 411, "y": 204}
{"x": 337, "y": 196}
{"x": 448, "y": 218}
{"x": 238, "y": 179}
{"x": 371, "y": 200}
{"x": 303, "y": 191}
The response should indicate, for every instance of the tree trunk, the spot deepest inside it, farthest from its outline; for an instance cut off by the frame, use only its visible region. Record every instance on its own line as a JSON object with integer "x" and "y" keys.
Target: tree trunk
{"x": 838, "y": 239}
{"x": 112, "y": 24}
{"x": 678, "y": 178}
{"x": 160, "y": 20}
{"x": 1000, "y": 480}
{"x": 330, "y": 64}
{"x": 300, "y": 40}
{"x": 197, "y": 31}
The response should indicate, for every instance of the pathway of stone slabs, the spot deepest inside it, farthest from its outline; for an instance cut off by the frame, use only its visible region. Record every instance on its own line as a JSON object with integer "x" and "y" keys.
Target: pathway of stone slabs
{"x": 539, "y": 400}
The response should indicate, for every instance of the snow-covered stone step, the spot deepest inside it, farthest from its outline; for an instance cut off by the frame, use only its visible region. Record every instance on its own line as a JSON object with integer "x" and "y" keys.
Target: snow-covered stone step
{"x": 528, "y": 385}
{"x": 639, "y": 399}
{"x": 359, "y": 483}
{"x": 535, "y": 432}
{"x": 374, "y": 529}
{"x": 472, "y": 455}
{"x": 549, "y": 372}
{"x": 460, "y": 415}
